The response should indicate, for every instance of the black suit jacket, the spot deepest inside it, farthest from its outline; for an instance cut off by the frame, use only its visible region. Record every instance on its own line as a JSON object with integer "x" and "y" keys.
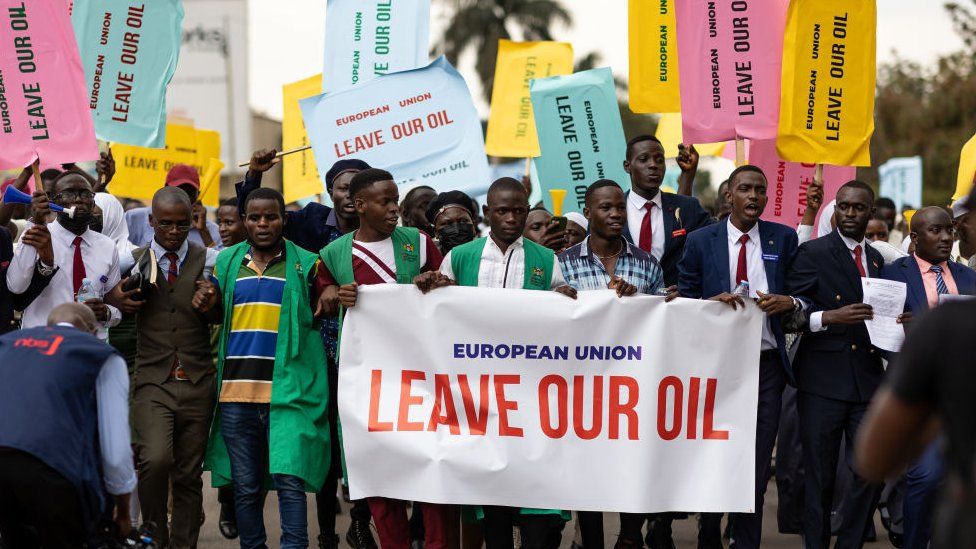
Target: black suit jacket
{"x": 9, "y": 302}
{"x": 839, "y": 362}
{"x": 682, "y": 215}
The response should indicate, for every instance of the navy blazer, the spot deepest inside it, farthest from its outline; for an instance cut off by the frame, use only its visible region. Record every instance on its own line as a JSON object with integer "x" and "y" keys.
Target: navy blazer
{"x": 307, "y": 228}
{"x": 906, "y": 270}
{"x": 676, "y": 230}
{"x": 704, "y": 268}
{"x": 839, "y": 362}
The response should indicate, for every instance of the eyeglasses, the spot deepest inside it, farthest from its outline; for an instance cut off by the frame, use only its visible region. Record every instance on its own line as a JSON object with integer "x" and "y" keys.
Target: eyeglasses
{"x": 168, "y": 226}
{"x": 74, "y": 194}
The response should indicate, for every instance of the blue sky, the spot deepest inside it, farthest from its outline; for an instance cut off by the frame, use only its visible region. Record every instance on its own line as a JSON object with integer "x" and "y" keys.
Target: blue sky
{"x": 286, "y": 39}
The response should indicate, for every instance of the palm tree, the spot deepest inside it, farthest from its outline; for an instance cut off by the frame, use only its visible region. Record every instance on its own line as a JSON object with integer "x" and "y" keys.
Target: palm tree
{"x": 479, "y": 24}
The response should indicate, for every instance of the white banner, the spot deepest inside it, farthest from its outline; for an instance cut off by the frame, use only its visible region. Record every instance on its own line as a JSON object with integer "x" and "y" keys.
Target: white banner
{"x": 366, "y": 39}
{"x": 531, "y": 399}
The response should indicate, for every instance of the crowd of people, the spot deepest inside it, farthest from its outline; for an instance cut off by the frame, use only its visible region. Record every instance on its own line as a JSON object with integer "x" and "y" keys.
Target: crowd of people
{"x": 146, "y": 346}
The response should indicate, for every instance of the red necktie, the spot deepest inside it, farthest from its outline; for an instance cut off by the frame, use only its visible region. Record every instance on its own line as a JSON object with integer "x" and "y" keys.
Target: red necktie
{"x": 171, "y": 272}
{"x": 646, "y": 236}
{"x": 741, "y": 272}
{"x": 78, "y": 269}
{"x": 857, "y": 261}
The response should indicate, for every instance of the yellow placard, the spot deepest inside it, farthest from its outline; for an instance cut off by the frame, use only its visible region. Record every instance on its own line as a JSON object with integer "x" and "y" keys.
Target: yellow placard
{"x": 653, "y": 46}
{"x": 300, "y": 176}
{"x": 669, "y": 134}
{"x": 967, "y": 169}
{"x": 511, "y": 125}
{"x": 827, "y": 94}
{"x": 140, "y": 171}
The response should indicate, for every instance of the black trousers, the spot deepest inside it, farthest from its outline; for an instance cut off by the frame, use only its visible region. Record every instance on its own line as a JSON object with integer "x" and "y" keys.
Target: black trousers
{"x": 538, "y": 531}
{"x": 747, "y": 527}
{"x": 38, "y": 506}
{"x": 823, "y": 423}
{"x": 591, "y": 528}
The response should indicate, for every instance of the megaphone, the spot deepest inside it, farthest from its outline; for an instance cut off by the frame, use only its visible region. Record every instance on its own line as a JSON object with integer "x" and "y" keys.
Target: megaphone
{"x": 13, "y": 195}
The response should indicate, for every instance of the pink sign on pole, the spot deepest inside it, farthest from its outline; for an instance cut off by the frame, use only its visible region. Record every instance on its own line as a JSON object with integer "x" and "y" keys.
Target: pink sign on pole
{"x": 44, "y": 111}
{"x": 729, "y": 59}
{"x": 788, "y": 182}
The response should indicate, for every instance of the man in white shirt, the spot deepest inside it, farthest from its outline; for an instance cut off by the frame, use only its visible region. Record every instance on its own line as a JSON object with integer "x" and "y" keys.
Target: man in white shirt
{"x": 64, "y": 432}
{"x": 76, "y": 253}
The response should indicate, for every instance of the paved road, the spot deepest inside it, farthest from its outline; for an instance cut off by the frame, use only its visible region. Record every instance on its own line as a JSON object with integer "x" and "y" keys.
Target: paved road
{"x": 684, "y": 531}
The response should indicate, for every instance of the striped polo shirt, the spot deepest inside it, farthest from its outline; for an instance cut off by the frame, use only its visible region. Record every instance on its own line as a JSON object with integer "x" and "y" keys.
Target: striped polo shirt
{"x": 250, "y": 357}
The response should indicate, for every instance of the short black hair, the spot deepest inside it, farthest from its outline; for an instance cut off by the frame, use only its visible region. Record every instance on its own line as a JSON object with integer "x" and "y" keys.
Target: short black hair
{"x": 230, "y": 202}
{"x": 597, "y": 185}
{"x": 635, "y": 140}
{"x": 885, "y": 202}
{"x": 539, "y": 208}
{"x": 264, "y": 193}
{"x": 69, "y": 173}
{"x": 856, "y": 184}
{"x": 506, "y": 184}
{"x": 50, "y": 173}
{"x": 746, "y": 168}
{"x": 412, "y": 194}
{"x": 171, "y": 196}
{"x": 365, "y": 179}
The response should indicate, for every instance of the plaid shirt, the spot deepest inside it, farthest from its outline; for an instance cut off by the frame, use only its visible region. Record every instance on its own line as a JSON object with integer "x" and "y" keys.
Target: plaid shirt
{"x": 330, "y": 324}
{"x": 583, "y": 270}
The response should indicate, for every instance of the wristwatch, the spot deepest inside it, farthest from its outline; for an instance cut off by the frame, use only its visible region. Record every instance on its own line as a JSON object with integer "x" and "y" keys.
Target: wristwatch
{"x": 43, "y": 269}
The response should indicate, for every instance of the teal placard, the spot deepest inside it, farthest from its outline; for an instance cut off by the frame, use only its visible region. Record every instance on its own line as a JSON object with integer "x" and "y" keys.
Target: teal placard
{"x": 129, "y": 50}
{"x": 580, "y": 134}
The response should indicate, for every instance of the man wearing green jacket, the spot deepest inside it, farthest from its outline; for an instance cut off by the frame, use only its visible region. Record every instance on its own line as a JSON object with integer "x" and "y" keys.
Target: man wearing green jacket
{"x": 272, "y": 386}
{"x": 504, "y": 259}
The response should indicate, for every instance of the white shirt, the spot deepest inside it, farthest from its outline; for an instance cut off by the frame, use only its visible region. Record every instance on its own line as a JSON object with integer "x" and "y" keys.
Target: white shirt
{"x": 383, "y": 251}
{"x": 816, "y": 319}
{"x": 503, "y": 270}
{"x": 755, "y": 270}
{"x": 101, "y": 258}
{"x": 163, "y": 261}
{"x": 115, "y": 446}
{"x": 635, "y": 216}
{"x": 804, "y": 233}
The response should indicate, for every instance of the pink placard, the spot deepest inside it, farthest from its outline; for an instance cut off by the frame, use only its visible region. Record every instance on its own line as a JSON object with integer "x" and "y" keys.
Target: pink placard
{"x": 729, "y": 59}
{"x": 788, "y": 182}
{"x": 43, "y": 109}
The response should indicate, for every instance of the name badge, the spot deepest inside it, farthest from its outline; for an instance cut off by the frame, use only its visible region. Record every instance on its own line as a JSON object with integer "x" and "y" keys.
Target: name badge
{"x": 679, "y": 232}
{"x": 770, "y": 257}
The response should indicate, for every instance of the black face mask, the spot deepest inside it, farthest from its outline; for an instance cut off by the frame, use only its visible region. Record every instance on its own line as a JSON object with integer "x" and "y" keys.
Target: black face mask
{"x": 454, "y": 235}
{"x": 77, "y": 224}
{"x": 96, "y": 223}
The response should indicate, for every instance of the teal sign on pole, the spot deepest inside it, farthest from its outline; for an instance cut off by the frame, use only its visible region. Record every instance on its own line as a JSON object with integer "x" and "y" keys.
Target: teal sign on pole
{"x": 580, "y": 134}
{"x": 129, "y": 51}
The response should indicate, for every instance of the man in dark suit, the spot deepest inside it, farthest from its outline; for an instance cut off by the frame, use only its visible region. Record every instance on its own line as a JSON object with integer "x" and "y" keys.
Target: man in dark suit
{"x": 658, "y": 222}
{"x": 837, "y": 369}
{"x": 929, "y": 274}
{"x": 718, "y": 258}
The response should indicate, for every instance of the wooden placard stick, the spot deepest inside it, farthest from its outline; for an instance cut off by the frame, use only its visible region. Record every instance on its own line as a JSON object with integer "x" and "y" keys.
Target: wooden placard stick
{"x": 279, "y": 155}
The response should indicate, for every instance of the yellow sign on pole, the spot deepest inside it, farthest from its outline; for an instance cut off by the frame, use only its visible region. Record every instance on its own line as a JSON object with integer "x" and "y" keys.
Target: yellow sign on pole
{"x": 669, "y": 134}
{"x": 511, "y": 124}
{"x": 827, "y": 98}
{"x": 141, "y": 171}
{"x": 653, "y": 46}
{"x": 967, "y": 169}
{"x": 300, "y": 176}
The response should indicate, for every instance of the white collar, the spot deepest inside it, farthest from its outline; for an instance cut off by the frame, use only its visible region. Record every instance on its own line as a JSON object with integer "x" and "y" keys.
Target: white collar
{"x": 161, "y": 251}
{"x": 64, "y": 235}
{"x": 735, "y": 234}
{"x": 850, "y": 242}
{"x": 638, "y": 201}
{"x": 513, "y": 246}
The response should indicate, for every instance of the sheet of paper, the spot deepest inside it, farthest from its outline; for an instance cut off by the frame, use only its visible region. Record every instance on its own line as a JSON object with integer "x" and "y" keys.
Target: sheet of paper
{"x": 887, "y": 299}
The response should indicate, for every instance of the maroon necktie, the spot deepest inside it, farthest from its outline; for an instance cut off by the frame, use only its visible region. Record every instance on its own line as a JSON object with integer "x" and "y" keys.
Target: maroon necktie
{"x": 171, "y": 273}
{"x": 741, "y": 271}
{"x": 857, "y": 261}
{"x": 646, "y": 236}
{"x": 78, "y": 273}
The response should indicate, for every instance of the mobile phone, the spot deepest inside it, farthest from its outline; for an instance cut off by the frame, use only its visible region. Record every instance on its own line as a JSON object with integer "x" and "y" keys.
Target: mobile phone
{"x": 557, "y": 224}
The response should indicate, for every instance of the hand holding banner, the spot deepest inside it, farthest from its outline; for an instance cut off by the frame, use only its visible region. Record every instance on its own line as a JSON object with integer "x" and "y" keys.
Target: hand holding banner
{"x": 130, "y": 53}
{"x": 580, "y": 134}
{"x": 828, "y": 90}
{"x": 729, "y": 58}
{"x": 475, "y": 405}
{"x": 43, "y": 113}
{"x": 421, "y": 125}
{"x": 364, "y": 40}
{"x": 511, "y": 126}
{"x": 300, "y": 176}
{"x": 653, "y": 56}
